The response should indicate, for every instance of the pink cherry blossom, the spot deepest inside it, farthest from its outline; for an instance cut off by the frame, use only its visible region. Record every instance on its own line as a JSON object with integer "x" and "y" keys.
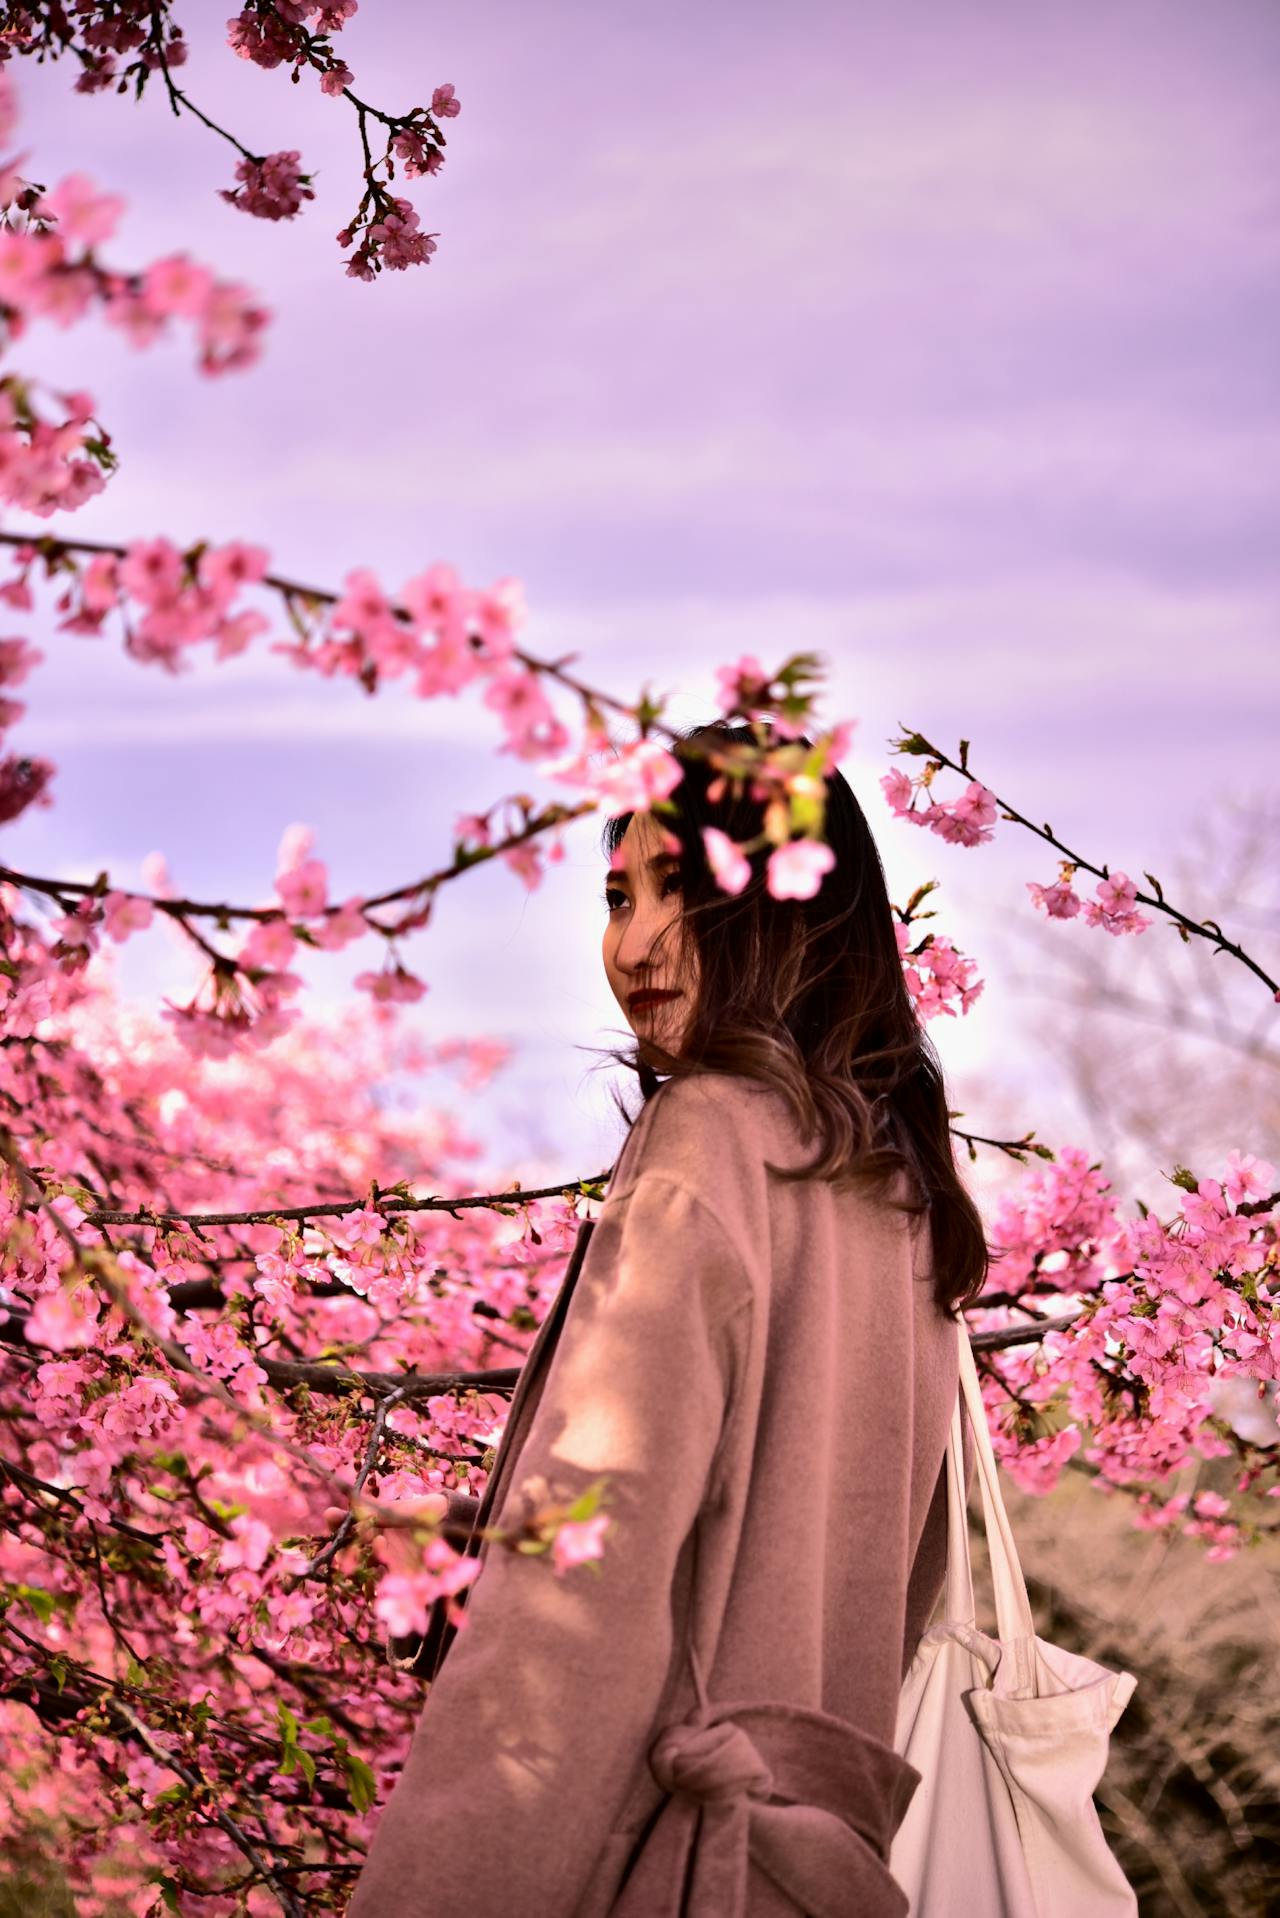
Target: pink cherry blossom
{"x": 85, "y": 216}
{"x": 444, "y": 104}
{"x": 226, "y": 569}
{"x": 795, "y": 870}
{"x": 1248, "y": 1177}
{"x": 744, "y": 686}
{"x": 340, "y": 926}
{"x": 304, "y": 889}
{"x": 729, "y": 864}
{"x": 578, "y": 1540}
{"x": 271, "y": 944}
{"x": 64, "y": 1319}
{"x": 391, "y": 986}
{"x": 526, "y": 862}
{"x": 273, "y": 188}
{"x": 1114, "y": 908}
{"x": 1060, "y": 901}
{"x": 124, "y": 914}
{"x": 497, "y": 613}
{"x": 437, "y": 598}
{"x": 176, "y": 285}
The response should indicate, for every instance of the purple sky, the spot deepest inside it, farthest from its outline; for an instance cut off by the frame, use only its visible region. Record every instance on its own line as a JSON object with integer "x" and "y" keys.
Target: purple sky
{"x": 940, "y": 340}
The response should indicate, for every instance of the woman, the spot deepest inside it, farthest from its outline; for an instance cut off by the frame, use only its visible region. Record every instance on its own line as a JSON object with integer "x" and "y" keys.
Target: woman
{"x": 755, "y": 1347}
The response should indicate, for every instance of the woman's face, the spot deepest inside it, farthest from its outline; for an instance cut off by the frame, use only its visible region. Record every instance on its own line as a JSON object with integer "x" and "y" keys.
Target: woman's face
{"x": 642, "y": 937}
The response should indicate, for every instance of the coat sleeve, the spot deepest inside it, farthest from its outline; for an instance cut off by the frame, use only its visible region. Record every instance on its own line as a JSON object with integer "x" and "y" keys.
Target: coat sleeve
{"x": 522, "y": 1757}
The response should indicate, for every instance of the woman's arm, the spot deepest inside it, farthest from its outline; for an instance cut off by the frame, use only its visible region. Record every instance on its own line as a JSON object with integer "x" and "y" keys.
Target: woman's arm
{"x": 533, "y": 1727}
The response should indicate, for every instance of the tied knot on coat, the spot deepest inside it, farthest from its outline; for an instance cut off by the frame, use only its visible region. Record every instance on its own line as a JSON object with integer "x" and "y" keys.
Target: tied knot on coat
{"x": 712, "y": 1763}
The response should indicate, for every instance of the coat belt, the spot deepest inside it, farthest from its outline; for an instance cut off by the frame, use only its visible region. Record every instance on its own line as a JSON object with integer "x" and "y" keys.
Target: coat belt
{"x": 805, "y": 1796}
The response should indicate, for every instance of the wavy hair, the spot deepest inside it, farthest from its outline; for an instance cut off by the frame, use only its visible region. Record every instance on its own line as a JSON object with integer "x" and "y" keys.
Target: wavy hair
{"x": 808, "y": 996}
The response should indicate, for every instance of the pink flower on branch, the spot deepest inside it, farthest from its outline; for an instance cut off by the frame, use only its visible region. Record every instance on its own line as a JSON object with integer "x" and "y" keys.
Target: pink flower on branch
{"x": 1248, "y": 1177}
{"x": 965, "y": 821}
{"x": 340, "y": 926}
{"x": 85, "y": 217}
{"x": 526, "y": 862}
{"x": 1060, "y": 900}
{"x": 796, "y": 870}
{"x": 392, "y": 986}
{"x": 272, "y": 188}
{"x": 938, "y": 976}
{"x": 729, "y": 864}
{"x": 124, "y": 915}
{"x": 627, "y": 778}
{"x": 1114, "y": 908}
{"x": 578, "y": 1540}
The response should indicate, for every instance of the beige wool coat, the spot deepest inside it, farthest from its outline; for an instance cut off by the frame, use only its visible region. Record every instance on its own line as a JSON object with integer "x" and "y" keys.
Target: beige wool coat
{"x": 700, "y": 1724}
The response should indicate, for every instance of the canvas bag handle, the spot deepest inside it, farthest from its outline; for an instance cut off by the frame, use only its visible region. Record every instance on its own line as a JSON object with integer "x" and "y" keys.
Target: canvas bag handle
{"x": 1014, "y": 1620}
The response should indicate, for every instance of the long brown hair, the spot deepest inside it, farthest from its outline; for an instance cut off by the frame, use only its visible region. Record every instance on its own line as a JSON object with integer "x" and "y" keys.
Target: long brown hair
{"x": 808, "y": 996}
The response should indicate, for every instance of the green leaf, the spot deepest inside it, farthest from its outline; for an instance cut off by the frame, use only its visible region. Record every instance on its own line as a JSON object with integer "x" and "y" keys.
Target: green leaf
{"x": 914, "y": 743}
{"x": 588, "y": 1503}
{"x": 42, "y": 1603}
{"x": 361, "y": 1782}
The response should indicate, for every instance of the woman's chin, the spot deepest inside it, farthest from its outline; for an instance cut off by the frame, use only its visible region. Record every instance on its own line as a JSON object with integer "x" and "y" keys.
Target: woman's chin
{"x": 647, "y": 1038}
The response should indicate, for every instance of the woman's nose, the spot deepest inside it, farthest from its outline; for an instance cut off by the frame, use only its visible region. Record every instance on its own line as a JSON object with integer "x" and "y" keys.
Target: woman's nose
{"x": 637, "y": 947}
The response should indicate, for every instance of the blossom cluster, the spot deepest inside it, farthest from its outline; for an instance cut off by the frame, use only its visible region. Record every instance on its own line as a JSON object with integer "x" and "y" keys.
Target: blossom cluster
{"x": 1170, "y": 1312}
{"x": 967, "y": 820}
{"x": 1112, "y": 906}
{"x": 99, "y": 34}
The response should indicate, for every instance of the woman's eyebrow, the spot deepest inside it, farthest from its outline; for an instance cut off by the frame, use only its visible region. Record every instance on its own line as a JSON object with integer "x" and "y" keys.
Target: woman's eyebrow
{"x": 659, "y": 859}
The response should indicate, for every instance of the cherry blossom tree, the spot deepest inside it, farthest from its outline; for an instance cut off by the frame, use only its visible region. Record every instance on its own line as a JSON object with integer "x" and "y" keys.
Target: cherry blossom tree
{"x": 258, "y": 1329}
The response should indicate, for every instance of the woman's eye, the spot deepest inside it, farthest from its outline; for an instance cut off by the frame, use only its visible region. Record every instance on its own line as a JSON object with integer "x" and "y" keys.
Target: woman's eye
{"x": 613, "y": 897}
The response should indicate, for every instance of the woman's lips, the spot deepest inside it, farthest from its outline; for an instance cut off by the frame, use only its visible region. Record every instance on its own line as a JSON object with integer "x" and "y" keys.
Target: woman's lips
{"x": 643, "y": 1001}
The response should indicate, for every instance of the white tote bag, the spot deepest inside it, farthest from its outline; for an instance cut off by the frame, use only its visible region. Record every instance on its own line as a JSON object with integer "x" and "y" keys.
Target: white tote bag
{"x": 1009, "y": 1735}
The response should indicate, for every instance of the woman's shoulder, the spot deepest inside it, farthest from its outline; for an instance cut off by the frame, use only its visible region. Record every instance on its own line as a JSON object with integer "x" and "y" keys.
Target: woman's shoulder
{"x": 708, "y": 1131}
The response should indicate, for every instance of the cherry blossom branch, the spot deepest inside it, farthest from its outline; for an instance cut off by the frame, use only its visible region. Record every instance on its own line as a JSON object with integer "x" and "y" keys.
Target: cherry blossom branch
{"x": 1013, "y": 1148}
{"x": 915, "y": 744}
{"x": 337, "y": 1378}
{"x": 63, "y": 891}
{"x": 35, "y": 1489}
{"x": 1002, "y": 1336}
{"x": 588, "y": 1188}
{"x": 272, "y": 186}
{"x": 300, "y": 599}
{"x": 321, "y": 1376}
{"x": 347, "y": 1525}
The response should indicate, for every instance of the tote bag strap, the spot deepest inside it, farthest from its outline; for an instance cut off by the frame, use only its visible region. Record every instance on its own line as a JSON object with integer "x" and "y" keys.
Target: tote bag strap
{"x": 1014, "y": 1621}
